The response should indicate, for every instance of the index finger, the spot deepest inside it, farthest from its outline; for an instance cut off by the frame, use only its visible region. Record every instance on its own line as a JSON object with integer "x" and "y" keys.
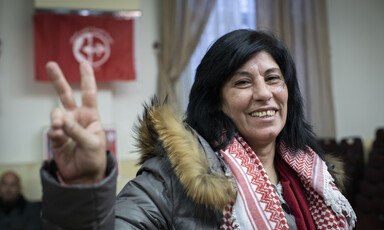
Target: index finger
{"x": 61, "y": 85}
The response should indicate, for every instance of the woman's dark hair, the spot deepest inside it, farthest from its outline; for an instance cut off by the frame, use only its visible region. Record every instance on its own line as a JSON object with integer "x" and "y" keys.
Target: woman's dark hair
{"x": 219, "y": 64}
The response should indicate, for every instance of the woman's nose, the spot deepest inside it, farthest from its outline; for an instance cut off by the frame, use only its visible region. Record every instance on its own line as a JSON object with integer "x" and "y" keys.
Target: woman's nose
{"x": 262, "y": 91}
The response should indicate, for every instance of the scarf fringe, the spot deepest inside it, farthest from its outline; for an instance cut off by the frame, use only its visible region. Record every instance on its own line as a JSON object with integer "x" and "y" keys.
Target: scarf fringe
{"x": 228, "y": 173}
{"x": 335, "y": 199}
{"x": 233, "y": 220}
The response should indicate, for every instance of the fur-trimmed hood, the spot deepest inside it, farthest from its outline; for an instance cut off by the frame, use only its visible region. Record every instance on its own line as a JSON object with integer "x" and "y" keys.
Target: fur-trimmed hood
{"x": 161, "y": 130}
{"x": 200, "y": 175}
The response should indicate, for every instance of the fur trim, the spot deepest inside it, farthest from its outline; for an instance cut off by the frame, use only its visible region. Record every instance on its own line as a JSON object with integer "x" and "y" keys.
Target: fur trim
{"x": 189, "y": 162}
{"x": 147, "y": 137}
{"x": 336, "y": 169}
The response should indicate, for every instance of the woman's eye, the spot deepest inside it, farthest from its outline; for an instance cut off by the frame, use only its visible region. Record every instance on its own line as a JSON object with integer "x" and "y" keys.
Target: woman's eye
{"x": 242, "y": 82}
{"x": 273, "y": 78}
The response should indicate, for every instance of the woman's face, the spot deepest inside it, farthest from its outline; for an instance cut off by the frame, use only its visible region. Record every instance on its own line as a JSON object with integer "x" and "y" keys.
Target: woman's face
{"x": 256, "y": 99}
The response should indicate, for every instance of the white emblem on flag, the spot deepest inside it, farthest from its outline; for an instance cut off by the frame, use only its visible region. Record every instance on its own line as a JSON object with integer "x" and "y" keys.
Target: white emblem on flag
{"x": 91, "y": 44}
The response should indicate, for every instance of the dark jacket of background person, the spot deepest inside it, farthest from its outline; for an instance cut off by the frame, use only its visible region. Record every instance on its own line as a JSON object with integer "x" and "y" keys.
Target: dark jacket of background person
{"x": 179, "y": 186}
{"x": 16, "y": 213}
{"x": 20, "y": 215}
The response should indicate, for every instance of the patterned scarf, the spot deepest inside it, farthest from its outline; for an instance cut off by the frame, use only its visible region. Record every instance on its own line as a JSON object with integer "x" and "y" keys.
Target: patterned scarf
{"x": 257, "y": 205}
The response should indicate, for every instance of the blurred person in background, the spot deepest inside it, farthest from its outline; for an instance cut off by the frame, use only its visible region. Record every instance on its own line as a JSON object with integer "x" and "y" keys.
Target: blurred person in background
{"x": 15, "y": 211}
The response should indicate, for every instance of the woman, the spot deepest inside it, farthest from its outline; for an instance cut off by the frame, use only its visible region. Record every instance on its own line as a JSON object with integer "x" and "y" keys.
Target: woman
{"x": 244, "y": 157}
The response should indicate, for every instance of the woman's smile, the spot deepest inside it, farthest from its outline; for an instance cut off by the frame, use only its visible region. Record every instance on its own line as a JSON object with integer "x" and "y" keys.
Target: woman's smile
{"x": 264, "y": 114}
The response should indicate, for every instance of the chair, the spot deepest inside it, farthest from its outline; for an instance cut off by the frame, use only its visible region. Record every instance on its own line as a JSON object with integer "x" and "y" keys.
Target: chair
{"x": 329, "y": 145}
{"x": 378, "y": 143}
{"x": 352, "y": 151}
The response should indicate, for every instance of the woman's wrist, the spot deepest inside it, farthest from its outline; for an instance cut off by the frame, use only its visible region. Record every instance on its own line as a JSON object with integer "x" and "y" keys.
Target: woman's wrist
{"x": 81, "y": 180}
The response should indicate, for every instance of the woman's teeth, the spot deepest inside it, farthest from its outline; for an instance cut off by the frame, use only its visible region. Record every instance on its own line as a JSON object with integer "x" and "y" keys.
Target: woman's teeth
{"x": 262, "y": 114}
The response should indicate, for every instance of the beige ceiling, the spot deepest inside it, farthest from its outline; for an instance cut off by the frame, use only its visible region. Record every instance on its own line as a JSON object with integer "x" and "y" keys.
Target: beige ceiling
{"x": 107, "y": 5}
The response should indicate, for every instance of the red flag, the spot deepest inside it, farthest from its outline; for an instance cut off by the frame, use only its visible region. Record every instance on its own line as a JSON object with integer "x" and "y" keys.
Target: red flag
{"x": 105, "y": 41}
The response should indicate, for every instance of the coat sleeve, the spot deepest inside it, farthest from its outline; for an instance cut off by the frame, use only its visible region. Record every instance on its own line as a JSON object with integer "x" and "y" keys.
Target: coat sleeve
{"x": 147, "y": 201}
{"x": 78, "y": 206}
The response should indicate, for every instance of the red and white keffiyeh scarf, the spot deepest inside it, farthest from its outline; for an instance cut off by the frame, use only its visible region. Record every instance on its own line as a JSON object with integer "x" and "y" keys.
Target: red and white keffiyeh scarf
{"x": 257, "y": 205}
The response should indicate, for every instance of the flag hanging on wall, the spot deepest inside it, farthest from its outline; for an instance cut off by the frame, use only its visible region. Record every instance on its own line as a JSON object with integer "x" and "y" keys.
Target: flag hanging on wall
{"x": 105, "y": 41}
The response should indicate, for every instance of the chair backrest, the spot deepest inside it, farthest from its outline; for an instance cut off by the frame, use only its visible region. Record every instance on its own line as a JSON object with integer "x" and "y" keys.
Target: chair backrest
{"x": 329, "y": 145}
{"x": 378, "y": 143}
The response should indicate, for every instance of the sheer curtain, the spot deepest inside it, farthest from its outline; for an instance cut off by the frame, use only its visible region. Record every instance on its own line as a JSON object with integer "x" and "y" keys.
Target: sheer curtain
{"x": 225, "y": 17}
{"x": 183, "y": 21}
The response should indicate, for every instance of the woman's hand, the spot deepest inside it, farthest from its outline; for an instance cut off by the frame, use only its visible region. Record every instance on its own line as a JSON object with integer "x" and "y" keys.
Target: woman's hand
{"x": 77, "y": 137}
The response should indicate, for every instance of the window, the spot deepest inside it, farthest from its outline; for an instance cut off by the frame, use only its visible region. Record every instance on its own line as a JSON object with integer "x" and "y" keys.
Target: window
{"x": 226, "y": 16}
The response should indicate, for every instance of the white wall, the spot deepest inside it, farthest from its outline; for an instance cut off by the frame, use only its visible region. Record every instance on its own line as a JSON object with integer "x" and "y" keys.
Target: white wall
{"x": 25, "y": 104}
{"x": 356, "y": 33}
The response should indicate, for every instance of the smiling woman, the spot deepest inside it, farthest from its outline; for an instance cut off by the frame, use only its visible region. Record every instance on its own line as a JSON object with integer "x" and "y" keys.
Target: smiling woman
{"x": 246, "y": 103}
{"x": 244, "y": 157}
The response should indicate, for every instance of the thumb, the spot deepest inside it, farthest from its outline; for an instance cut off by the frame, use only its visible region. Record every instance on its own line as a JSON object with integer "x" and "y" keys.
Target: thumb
{"x": 76, "y": 131}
